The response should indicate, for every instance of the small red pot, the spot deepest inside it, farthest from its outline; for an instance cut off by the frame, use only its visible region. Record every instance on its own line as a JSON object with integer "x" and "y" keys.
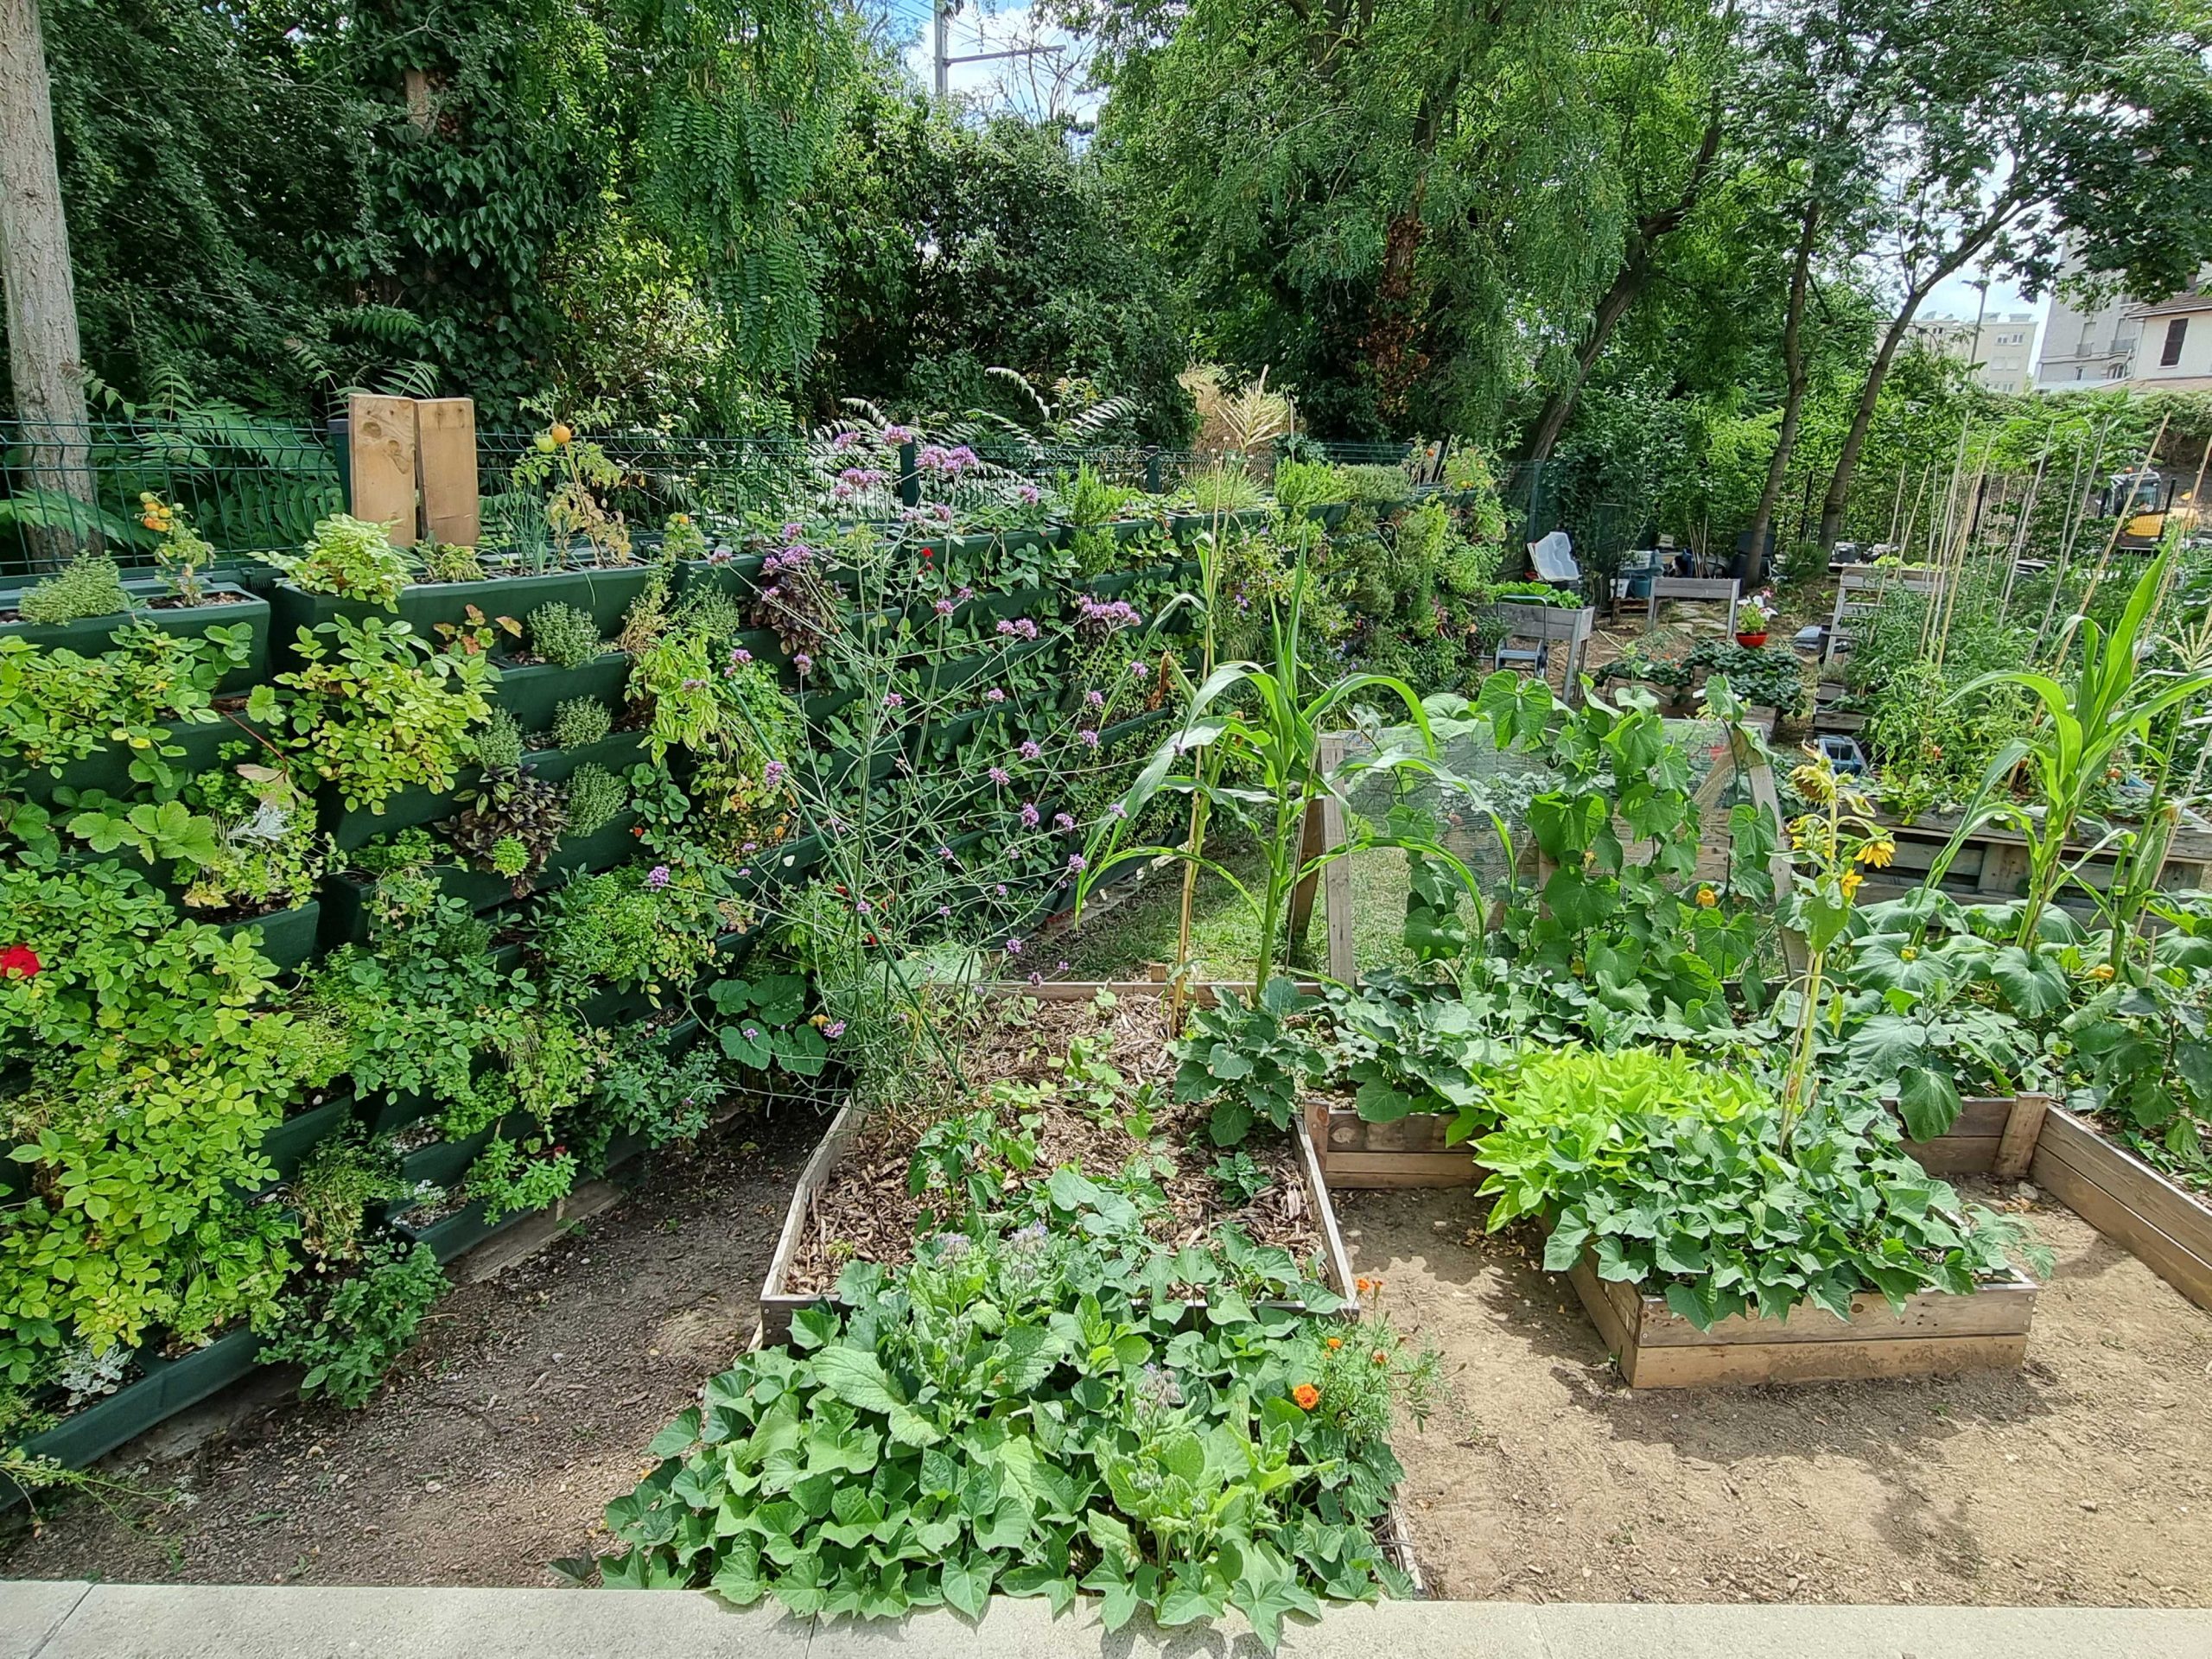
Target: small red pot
{"x": 1752, "y": 641}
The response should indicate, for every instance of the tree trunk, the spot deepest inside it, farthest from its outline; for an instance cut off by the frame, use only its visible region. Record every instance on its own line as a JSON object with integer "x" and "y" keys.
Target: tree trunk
{"x": 1628, "y": 282}
{"x": 45, "y": 360}
{"x": 1793, "y": 397}
{"x": 1862, "y": 420}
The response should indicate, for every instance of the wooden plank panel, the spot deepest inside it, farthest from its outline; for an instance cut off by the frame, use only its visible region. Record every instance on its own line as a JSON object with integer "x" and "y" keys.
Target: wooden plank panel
{"x": 380, "y": 437}
{"x": 1337, "y": 1263}
{"x": 2015, "y": 1148}
{"x": 2082, "y": 1171}
{"x": 1956, "y": 1154}
{"x": 1745, "y": 1366}
{"x": 1994, "y": 1310}
{"x": 1371, "y": 1170}
{"x": 776, "y": 1306}
{"x": 1602, "y": 1314}
{"x": 446, "y": 447}
{"x": 2166, "y": 1205}
{"x": 1420, "y": 1132}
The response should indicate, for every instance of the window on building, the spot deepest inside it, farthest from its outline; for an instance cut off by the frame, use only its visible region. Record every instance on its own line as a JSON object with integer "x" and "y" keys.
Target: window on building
{"x": 2170, "y": 353}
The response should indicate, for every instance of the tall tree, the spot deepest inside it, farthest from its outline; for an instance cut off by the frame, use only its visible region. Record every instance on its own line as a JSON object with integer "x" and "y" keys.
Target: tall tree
{"x": 1373, "y": 199}
{"x": 2024, "y": 125}
{"x": 1664, "y": 87}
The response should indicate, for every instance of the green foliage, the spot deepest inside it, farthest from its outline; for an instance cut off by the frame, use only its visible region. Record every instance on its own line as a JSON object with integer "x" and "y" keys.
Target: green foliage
{"x": 627, "y": 928}
{"x": 60, "y": 706}
{"x": 348, "y": 558}
{"x": 344, "y": 1174}
{"x": 1030, "y": 1415}
{"x": 1224, "y": 489}
{"x": 596, "y": 797}
{"x": 373, "y": 707}
{"x": 764, "y": 1026}
{"x": 580, "y": 721}
{"x": 264, "y": 852}
{"x": 347, "y": 1333}
{"x": 565, "y": 635}
{"x": 496, "y": 745}
{"x": 154, "y": 1081}
{"x": 515, "y": 1178}
{"x": 444, "y": 562}
{"x": 659, "y": 1098}
{"x": 89, "y": 585}
{"x": 1669, "y": 1178}
{"x": 1240, "y": 1179}
{"x": 510, "y": 821}
{"x": 1254, "y": 1063}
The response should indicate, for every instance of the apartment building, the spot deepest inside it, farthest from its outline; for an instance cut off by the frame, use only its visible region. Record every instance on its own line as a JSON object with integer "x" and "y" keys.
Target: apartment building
{"x": 2002, "y": 350}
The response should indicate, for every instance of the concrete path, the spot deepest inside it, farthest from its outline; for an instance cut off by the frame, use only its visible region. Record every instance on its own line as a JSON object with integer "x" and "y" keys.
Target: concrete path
{"x": 45, "y": 1620}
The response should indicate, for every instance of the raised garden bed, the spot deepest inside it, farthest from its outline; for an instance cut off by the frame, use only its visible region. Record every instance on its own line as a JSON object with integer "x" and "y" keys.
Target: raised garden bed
{"x": 288, "y": 938}
{"x": 1938, "y": 1334}
{"x": 226, "y": 606}
{"x": 2163, "y": 1224}
{"x": 1409, "y": 1151}
{"x": 852, "y": 1200}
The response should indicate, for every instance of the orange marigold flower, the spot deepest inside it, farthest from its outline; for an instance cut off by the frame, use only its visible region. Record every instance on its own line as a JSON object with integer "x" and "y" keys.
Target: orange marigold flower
{"x": 1335, "y": 1343}
{"x": 1307, "y": 1396}
{"x": 1707, "y": 898}
{"x": 1382, "y": 1358}
{"x": 1362, "y": 1286}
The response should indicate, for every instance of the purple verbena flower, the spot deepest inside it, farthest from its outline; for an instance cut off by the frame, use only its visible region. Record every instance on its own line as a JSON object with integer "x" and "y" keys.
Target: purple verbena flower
{"x": 1027, "y": 495}
{"x": 801, "y": 662}
{"x": 995, "y": 696}
{"x": 998, "y": 775}
{"x": 1030, "y": 751}
{"x": 1076, "y": 863}
{"x": 834, "y": 1030}
{"x": 1030, "y": 815}
{"x": 1014, "y": 947}
{"x": 1089, "y": 739}
{"x": 942, "y": 608}
{"x": 657, "y": 877}
{"x": 1096, "y": 699}
{"x": 1063, "y": 822}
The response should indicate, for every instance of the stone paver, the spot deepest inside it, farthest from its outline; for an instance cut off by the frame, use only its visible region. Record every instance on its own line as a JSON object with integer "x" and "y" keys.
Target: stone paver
{"x": 76, "y": 1621}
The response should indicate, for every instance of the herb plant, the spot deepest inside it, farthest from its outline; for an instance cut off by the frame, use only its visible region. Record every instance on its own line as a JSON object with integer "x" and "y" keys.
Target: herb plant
{"x": 348, "y": 558}
{"x": 565, "y": 635}
{"x": 348, "y": 1333}
{"x": 89, "y": 585}
{"x": 580, "y": 721}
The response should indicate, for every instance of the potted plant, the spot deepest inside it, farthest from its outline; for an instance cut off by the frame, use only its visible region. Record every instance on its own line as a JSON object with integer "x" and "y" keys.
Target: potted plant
{"x": 1754, "y": 617}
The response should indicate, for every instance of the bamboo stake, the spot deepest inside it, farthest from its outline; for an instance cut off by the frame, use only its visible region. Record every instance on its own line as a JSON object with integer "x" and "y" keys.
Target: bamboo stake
{"x": 2112, "y": 542}
{"x": 2020, "y": 528}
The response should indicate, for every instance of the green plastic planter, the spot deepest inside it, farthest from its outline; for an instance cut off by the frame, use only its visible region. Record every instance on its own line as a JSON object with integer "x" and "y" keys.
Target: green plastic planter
{"x": 110, "y": 769}
{"x": 168, "y": 1387}
{"x": 405, "y": 809}
{"x": 288, "y": 938}
{"x": 288, "y": 1145}
{"x": 1189, "y": 526}
{"x": 382, "y": 1115}
{"x": 605, "y": 592}
{"x": 531, "y": 692}
{"x": 90, "y": 636}
{"x": 739, "y": 577}
{"x": 458, "y": 1233}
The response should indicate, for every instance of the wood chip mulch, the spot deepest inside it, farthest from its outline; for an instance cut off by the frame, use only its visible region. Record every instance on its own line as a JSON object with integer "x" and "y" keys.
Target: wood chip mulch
{"x": 864, "y": 1210}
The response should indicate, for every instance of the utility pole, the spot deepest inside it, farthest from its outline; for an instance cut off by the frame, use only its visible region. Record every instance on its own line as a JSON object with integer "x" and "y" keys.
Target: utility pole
{"x": 941, "y": 58}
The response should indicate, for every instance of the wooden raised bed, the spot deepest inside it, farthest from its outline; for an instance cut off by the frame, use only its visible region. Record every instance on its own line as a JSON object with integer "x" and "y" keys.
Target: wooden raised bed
{"x": 1993, "y": 1134}
{"x": 1939, "y": 1333}
{"x": 1409, "y": 1151}
{"x": 779, "y": 1304}
{"x": 2166, "y": 1226}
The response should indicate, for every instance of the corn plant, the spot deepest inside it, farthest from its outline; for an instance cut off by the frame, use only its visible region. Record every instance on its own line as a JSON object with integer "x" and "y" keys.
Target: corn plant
{"x": 2110, "y": 707}
{"x": 1263, "y": 716}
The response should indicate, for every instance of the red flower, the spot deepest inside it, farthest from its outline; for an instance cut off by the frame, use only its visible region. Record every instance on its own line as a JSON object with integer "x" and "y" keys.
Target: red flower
{"x": 20, "y": 962}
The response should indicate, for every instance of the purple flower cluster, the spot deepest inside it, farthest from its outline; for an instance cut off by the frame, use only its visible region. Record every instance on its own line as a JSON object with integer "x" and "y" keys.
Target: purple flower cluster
{"x": 656, "y": 878}
{"x": 897, "y": 434}
{"x": 1063, "y": 822}
{"x": 787, "y": 558}
{"x": 942, "y": 608}
{"x": 999, "y": 776}
{"x": 948, "y": 463}
{"x": 1019, "y": 627}
{"x": 1029, "y": 816}
{"x": 1089, "y": 739}
{"x": 995, "y": 694}
{"x": 1030, "y": 750}
{"x": 1027, "y": 495}
{"x": 772, "y": 774}
{"x": 1100, "y": 619}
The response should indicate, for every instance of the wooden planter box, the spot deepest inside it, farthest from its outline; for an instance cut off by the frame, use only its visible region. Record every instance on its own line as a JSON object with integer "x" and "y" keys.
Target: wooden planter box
{"x": 1993, "y": 1135}
{"x": 1409, "y": 1151}
{"x": 778, "y": 1304}
{"x": 2164, "y": 1225}
{"x": 1991, "y": 865}
{"x": 1551, "y": 622}
{"x": 1939, "y": 1334}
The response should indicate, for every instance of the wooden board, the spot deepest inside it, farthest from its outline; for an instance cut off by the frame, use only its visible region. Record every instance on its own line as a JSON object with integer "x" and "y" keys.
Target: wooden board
{"x": 1408, "y": 1151}
{"x": 1993, "y": 1135}
{"x": 2167, "y": 1228}
{"x": 1727, "y": 590}
{"x": 446, "y": 447}
{"x": 1939, "y": 1334}
{"x": 380, "y": 440}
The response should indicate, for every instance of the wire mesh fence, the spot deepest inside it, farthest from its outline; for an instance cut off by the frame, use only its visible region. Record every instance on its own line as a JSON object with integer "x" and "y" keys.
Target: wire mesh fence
{"x": 253, "y": 485}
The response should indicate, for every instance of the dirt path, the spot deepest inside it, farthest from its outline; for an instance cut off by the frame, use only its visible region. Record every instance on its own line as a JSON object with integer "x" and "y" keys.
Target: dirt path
{"x": 501, "y": 1436}
{"x": 2084, "y": 1478}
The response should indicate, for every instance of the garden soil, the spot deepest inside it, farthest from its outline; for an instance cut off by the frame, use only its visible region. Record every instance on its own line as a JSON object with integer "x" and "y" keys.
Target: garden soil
{"x": 500, "y": 1437}
{"x": 2085, "y": 1477}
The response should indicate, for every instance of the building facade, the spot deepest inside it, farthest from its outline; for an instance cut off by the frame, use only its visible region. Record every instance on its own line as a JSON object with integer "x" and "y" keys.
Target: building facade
{"x": 2001, "y": 352}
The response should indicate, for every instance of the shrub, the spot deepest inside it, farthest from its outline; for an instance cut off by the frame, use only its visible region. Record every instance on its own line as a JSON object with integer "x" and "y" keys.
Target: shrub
{"x": 89, "y": 585}
{"x": 580, "y": 721}
{"x": 565, "y": 635}
{"x": 497, "y": 744}
{"x": 348, "y": 558}
{"x": 374, "y": 708}
{"x": 515, "y": 1180}
{"x": 1373, "y": 487}
{"x": 348, "y": 1333}
{"x": 634, "y": 926}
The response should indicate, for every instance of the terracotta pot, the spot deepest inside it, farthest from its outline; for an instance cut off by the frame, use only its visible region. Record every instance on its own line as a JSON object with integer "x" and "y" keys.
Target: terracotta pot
{"x": 1752, "y": 641}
